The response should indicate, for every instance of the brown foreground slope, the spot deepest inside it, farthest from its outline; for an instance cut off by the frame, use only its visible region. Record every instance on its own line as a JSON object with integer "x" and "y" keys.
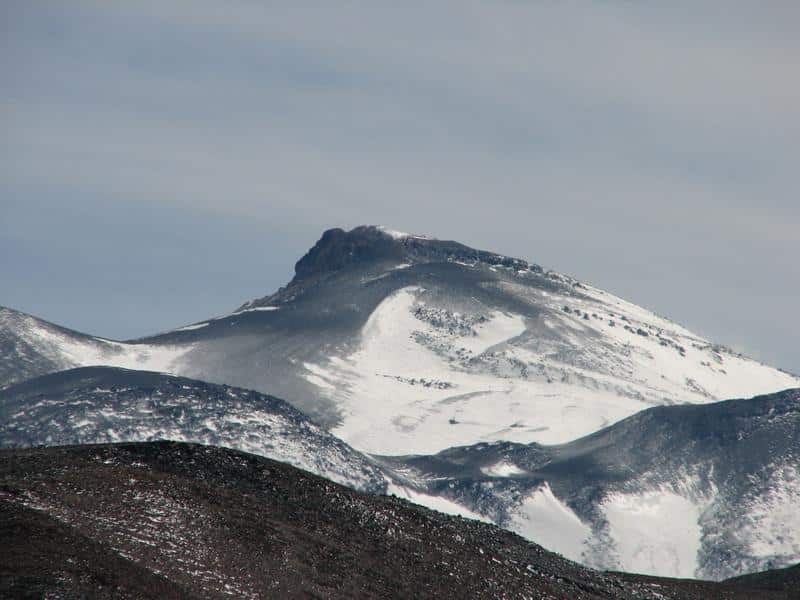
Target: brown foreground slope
{"x": 174, "y": 520}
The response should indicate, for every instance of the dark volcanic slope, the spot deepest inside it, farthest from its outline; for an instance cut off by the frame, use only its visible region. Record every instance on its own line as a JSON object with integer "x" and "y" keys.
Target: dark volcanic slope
{"x": 170, "y": 519}
{"x": 105, "y": 404}
{"x": 783, "y": 580}
{"x": 45, "y": 558}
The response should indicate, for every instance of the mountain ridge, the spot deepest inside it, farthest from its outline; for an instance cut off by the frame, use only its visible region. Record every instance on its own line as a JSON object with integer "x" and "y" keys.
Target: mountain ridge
{"x": 338, "y": 249}
{"x": 109, "y": 404}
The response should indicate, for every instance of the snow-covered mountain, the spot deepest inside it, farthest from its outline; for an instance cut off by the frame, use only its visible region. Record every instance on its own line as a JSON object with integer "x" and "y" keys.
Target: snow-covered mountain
{"x": 707, "y": 491}
{"x": 404, "y": 344}
{"x": 95, "y": 405}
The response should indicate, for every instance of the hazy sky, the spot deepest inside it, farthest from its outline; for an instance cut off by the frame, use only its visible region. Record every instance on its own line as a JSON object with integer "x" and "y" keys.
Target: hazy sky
{"x": 162, "y": 162}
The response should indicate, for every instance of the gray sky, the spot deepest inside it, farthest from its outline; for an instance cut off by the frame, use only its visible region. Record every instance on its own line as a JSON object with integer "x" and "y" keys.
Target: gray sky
{"x": 163, "y": 161}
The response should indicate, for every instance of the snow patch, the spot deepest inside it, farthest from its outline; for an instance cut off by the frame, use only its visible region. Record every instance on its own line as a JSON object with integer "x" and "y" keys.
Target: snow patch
{"x": 772, "y": 525}
{"x": 656, "y": 532}
{"x": 503, "y": 469}
{"x": 256, "y": 309}
{"x": 434, "y": 502}
{"x": 546, "y": 520}
{"x": 393, "y": 233}
{"x": 400, "y": 235}
{"x": 192, "y": 327}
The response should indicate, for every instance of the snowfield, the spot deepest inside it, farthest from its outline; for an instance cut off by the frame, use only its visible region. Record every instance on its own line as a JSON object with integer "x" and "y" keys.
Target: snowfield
{"x": 656, "y": 531}
{"x": 425, "y": 378}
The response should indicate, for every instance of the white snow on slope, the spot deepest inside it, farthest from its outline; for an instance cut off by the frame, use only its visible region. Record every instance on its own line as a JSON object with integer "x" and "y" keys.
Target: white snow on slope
{"x": 401, "y": 235}
{"x": 83, "y": 351}
{"x": 771, "y": 526}
{"x": 703, "y": 370}
{"x": 233, "y": 314}
{"x": 393, "y": 233}
{"x": 543, "y": 518}
{"x": 503, "y": 469}
{"x": 443, "y": 505}
{"x": 425, "y": 378}
{"x": 654, "y": 532}
{"x": 236, "y": 421}
{"x": 192, "y": 327}
{"x": 318, "y": 376}
{"x": 397, "y": 396}
{"x": 256, "y": 309}
{"x": 500, "y": 328}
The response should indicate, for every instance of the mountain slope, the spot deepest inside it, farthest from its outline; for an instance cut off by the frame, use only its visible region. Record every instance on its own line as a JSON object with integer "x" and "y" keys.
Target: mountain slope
{"x": 406, "y": 344}
{"x": 691, "y": 490}
{"x": 104, "y": 404}
{"x": 402, "y": 344}
{"x": 709, "y": 491}
{"x": 30, "y": 347}
{"x": 179, "y": 520}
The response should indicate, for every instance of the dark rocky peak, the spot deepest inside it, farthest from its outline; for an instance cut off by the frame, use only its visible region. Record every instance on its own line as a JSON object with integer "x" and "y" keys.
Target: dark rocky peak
{"x": 338, "y": 249}
{"x": 371, "y": 247}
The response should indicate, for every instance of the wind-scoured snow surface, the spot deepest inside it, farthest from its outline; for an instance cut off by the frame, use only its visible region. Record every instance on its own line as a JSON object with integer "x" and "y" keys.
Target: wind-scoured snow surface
{"x": 560, "y": 367}
{"x": 32, "y": 347}
{"x": 101, "y": 405}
